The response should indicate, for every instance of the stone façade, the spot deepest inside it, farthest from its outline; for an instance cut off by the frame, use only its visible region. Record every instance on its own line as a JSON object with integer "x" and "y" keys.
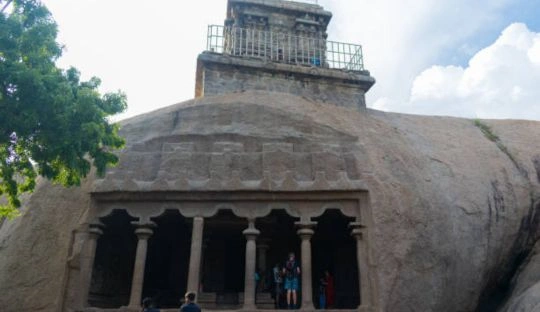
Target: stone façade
{"x": 447, "y": 216}
{"x": 436, "y": 238}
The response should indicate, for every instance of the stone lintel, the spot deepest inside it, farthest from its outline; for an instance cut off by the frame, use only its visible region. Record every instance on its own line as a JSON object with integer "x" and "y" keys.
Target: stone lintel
{"x": 221, "y": 73}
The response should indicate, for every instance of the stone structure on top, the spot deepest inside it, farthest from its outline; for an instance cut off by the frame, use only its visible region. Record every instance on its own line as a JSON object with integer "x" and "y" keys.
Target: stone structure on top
{"x": 281, "y": 46}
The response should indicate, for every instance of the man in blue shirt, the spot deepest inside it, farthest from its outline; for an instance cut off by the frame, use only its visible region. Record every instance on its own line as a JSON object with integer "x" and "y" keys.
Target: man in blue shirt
{"x": 291, "y": 271}
{"x": 190, "y": 305}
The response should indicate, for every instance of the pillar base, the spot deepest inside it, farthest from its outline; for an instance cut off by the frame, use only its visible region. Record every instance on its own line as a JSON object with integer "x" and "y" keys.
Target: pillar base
{"x": 365, "y": 308}
{"x": 249, "y": 308}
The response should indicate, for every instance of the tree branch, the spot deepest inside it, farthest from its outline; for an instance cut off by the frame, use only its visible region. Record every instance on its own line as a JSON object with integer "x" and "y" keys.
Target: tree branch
{"x": 6, "y": 5}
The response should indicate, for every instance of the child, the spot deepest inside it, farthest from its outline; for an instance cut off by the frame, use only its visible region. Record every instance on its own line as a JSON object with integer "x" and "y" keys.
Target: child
{"x": 322, "y": 293}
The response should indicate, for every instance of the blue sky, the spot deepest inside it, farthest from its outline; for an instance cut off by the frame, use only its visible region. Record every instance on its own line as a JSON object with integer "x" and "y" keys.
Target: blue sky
{"x": 475, "y": 59}
{"x": 524, "y": 11}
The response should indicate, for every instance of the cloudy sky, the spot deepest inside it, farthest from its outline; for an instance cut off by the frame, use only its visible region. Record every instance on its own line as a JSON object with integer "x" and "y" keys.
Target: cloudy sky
{"x": 476, "y": 59}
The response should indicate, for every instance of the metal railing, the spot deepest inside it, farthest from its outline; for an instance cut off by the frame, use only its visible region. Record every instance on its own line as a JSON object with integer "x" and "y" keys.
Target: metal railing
{"x": 284, "y": 48}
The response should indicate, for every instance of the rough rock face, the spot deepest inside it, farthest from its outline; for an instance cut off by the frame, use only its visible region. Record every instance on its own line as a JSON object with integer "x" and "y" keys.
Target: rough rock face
{"x": 453, "y": 212}
{"x": 526, "y": 292}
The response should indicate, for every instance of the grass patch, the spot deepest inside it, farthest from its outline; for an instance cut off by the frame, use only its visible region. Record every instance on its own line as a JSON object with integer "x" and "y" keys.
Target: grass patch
{"x": 488, "y": 133}
{"x": 486, "y": 130}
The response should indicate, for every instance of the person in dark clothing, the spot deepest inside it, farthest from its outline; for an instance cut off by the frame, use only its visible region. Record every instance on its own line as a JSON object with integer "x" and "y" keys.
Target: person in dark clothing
{"x": 278, "y": 284}
{"x": 148, "y": 305}
{"x": 330, "y": 292}
{"x": 190, "y": 305}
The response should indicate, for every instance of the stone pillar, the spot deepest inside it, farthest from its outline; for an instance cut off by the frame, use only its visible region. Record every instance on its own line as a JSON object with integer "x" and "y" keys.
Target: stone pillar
{"x": 195, "y": 255}
{"x": 358, "y": 232}
{"x": 87, "y": 261}
{"x": 305, "y": 232}
{"x": 143, "y": 232}
{"x": 251, "y": 234}
{"x": 203, "y": 252}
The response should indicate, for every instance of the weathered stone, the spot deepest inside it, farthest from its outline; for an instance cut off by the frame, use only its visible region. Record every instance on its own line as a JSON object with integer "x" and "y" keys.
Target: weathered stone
{"x": 220, "y": 74}
{"x": 447, "y": 203}
{"x": 444, "y": 219}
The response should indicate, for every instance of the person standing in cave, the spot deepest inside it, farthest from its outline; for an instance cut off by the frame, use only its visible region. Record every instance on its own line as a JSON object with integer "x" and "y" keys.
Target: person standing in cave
{"x": 278, "y": 284}
{"x": 330, "y": 292}
{"x": 291, "y": 270}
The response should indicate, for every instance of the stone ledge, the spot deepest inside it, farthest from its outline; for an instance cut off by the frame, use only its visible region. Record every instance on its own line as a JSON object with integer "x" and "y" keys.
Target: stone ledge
{"x": 359, "y": 77}
{"x": 126, "y": 309}
{"x": 234, "y": 183}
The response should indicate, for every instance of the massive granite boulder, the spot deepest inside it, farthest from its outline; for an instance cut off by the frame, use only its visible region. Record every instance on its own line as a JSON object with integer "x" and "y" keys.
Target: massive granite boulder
{"x": 454, "y": 202}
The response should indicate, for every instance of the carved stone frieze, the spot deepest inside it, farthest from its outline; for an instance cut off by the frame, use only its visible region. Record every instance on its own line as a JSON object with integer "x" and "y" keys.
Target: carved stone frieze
{"x": 248, "y": 205}
{"x": 228, "y": 166}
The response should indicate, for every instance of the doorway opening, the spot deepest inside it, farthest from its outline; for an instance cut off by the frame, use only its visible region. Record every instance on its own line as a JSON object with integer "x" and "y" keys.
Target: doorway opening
{"x": 334, "y": 250}
{"x": 278, "y": 239}
{"x": 167, "y": 260}
{"x": 114, "y": 260}
{"x": 224, "y": 250}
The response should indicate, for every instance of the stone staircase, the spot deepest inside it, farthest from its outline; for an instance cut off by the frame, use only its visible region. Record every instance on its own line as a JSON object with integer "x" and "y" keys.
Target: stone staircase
{"x": 233, "y": 301}
{"x": 264, "y": 301}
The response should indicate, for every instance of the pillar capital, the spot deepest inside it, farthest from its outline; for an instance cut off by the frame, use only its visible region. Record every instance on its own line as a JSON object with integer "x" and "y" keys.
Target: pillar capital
{"x": 143, "y": 230}
{"x": 305, "y": 229}
{"x": 357, "y": 225}
{"x": 142, "y": 225}
{"x": 251, "y": 233}
{"x": 96, "y": 229}
{"x": 358, "y": 230}
{"x": 305, "y": 224}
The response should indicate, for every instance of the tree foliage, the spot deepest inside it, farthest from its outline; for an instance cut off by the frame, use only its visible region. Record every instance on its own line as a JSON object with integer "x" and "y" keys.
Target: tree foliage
{"x": 51, "y": 123}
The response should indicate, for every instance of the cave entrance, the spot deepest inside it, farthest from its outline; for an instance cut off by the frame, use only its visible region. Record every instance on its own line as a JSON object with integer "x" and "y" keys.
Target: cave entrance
{"x": 334, "y": 250}
{"x": 223, "y": 271}
{"x": 114, "y": 260}
{"x": 167, "y": 261}
{"x": 278, "y": 238}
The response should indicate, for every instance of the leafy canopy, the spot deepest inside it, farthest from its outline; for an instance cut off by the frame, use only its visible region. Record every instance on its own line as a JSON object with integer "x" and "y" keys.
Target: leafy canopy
{"x": 51, "y": 123}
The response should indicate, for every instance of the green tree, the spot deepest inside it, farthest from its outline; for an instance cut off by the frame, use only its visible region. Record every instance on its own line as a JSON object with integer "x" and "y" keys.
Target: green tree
{"x": 51, "y": 123}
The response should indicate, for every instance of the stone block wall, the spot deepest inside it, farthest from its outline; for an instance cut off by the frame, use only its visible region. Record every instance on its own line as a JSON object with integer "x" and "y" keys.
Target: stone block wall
{"x": 220, "y": 74}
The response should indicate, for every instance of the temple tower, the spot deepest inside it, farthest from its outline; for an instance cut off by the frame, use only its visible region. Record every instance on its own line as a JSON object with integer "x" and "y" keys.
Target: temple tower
{"x": 208, "y": 196}
{"x": 281, "y": 46}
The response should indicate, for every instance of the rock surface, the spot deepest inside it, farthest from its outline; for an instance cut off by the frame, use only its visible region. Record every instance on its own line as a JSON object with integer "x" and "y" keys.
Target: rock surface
{"x": 452, "y": 210}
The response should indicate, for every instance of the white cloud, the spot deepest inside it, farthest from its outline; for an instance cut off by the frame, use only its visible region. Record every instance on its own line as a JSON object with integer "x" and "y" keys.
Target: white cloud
{"x": 500, "y": 81}
{"x": 401, "y": 38}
